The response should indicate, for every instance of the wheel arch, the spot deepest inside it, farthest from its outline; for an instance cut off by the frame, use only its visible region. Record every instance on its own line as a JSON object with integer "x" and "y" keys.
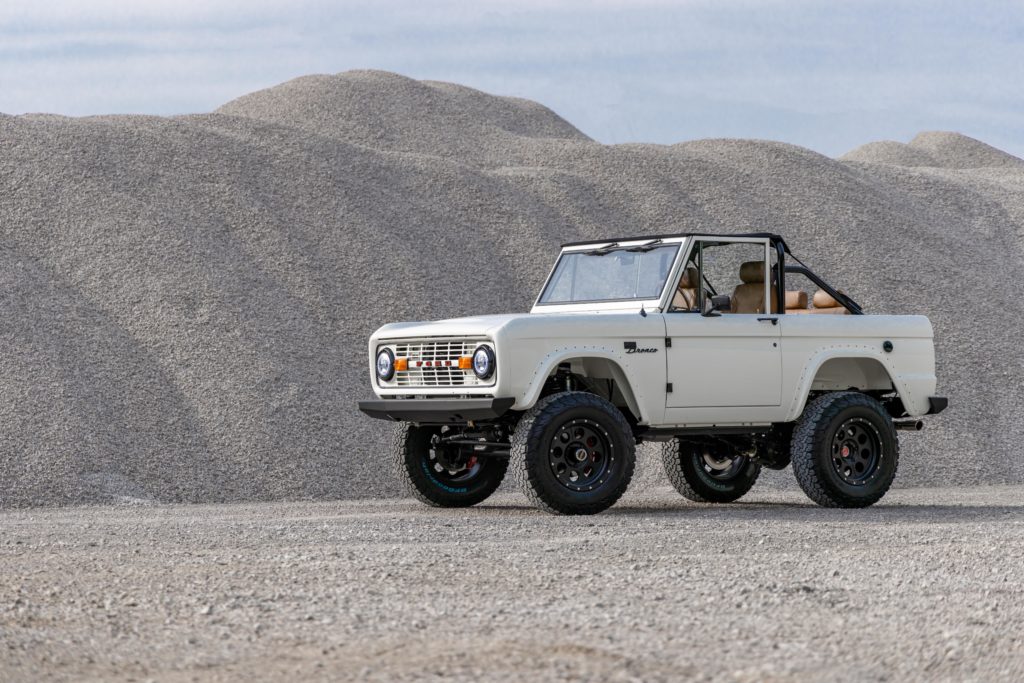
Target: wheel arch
{"x": 840, "y": 369}
{"x": 590, "y": 363}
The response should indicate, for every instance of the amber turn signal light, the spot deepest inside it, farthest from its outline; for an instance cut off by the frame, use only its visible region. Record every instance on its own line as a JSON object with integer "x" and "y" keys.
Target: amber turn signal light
{"x": 401, "y": 364}
{"x": 465, "y": 362}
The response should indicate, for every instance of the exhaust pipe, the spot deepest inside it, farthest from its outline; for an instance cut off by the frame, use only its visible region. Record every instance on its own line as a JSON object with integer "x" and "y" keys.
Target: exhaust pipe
{"x": 909, "y": 425}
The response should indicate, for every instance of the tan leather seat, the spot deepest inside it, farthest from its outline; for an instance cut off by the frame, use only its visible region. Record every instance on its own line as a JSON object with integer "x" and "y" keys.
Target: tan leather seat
{"x": 749, "y": 296}
{"x": 685, "y": 298}
{"x": 796, "y": 300}
{"x": 825, "y": 303}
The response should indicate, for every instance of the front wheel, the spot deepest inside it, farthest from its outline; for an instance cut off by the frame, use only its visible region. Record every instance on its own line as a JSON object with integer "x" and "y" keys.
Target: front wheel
{"x": 440, "y": 475}
{"x": 707, "y": 472}
{"x": 845, "y": 450}
{"x": 573, "y": 454}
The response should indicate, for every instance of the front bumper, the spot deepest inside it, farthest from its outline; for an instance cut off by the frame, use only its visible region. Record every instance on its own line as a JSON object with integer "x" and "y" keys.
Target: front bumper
{"x": 437, "y": 409}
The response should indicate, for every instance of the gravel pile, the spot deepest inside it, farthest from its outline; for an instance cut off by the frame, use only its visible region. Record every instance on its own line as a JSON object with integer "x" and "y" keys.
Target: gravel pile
{"x": 186, "y": 300}
{"x": 938, "y": 149}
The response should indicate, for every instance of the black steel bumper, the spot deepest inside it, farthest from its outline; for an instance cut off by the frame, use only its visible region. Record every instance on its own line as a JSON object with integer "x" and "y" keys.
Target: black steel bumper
{"x": 936, "y": 404}
{"x": 436, "y": 409}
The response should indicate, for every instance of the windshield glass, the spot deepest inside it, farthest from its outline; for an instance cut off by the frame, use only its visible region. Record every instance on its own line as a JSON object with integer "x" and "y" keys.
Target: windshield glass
{"x": 610, "y": 274}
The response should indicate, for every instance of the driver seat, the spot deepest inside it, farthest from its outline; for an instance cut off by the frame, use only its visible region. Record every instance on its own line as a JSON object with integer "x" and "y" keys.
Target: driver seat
{"x": 749, "y": 296}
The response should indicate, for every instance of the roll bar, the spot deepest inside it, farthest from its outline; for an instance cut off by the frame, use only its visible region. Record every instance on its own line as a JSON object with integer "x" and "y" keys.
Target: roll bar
{"x": 782, "y": 249}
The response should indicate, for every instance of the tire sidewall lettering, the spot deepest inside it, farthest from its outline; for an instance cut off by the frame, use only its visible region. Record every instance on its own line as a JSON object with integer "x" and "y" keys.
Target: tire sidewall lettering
{"x": 433, "y": 479}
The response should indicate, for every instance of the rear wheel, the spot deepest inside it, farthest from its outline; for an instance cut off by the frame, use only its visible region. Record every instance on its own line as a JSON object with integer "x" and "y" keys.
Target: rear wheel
{"x": 845, "y": 450}
{"x": 708, "y": 472}
{"x": 440, "y": 475}
{"x": 573, "y": 454}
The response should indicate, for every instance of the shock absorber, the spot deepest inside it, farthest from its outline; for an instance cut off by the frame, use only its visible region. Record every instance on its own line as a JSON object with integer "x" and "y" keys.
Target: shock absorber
{"x": 566, "y": 370}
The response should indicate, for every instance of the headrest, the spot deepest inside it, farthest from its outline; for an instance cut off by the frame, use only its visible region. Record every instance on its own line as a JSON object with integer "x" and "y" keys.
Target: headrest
{"x": 690, "y": 278}
{"x": 796, "y": 299}
{"x": 823, "y": 299}
{"x": 752, "y": 272}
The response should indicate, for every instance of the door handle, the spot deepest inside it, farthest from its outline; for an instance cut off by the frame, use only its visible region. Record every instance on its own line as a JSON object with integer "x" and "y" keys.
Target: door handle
{"x": 774, "y": 321}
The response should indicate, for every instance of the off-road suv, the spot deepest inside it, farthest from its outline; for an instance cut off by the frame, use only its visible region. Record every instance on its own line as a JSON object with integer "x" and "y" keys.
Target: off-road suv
{"x": 690, "y": 340}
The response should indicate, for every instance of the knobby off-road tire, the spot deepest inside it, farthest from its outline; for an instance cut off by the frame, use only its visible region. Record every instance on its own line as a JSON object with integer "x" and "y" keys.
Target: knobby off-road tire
{"x": 573, "y": 454}
{"x": 415, "y": 466}
{"x": 706, "y": 481}
{"x": 845, "y": 450}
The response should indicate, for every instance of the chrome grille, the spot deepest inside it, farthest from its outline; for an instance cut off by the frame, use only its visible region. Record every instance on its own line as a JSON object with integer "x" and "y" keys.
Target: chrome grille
{"x": 445, "y": 351}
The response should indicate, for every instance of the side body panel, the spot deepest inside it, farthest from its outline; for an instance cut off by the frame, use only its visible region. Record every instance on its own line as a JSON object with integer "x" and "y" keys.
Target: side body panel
{"x": 726, "y": 375}
{"x": 723, "y": 362}
{"x": 811, "y": 345}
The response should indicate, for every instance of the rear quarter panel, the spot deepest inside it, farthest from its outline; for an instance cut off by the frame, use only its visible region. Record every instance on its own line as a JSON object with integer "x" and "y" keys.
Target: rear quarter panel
{"x": 808, "y": 341}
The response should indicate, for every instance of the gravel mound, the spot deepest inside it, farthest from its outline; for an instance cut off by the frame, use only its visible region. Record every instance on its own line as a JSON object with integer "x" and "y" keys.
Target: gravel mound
{"x": 953, "y": 150}
{"x": 187, "y": 299}
{"x": 892, "y": 153}
{"x": 391, "y": 112}
{"x": 936, "y": 148}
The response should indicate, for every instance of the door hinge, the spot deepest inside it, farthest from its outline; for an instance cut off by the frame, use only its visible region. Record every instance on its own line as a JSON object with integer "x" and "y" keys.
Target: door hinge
{"x": 668, "y": 388}
{"x": 668, "y": 342}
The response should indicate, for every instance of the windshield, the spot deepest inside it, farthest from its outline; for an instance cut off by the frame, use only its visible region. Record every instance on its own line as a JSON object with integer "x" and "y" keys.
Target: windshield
{"x": 610, "y": 274}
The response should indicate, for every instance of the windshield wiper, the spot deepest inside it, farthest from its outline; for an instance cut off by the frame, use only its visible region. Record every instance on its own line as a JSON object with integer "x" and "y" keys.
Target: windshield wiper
{"x": 646, "y": 246}
{"x": 615, "y": 246}
{"x": 603, "y": 250}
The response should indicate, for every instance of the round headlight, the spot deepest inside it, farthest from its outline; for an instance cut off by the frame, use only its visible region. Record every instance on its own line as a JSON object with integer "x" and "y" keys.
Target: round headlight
{"x": 483, "y": 362}
{"x": 385, "y": 365}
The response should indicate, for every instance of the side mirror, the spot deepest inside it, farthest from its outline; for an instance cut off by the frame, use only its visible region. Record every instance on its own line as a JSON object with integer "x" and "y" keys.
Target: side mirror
{"x": 713, "y": 306}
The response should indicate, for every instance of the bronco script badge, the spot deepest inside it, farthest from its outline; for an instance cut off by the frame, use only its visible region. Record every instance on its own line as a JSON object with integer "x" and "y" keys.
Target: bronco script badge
{"x": 632, "y": 348}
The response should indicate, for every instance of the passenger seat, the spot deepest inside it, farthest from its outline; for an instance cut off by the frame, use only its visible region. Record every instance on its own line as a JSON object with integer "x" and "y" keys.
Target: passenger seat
{"x": 685, "y": 298}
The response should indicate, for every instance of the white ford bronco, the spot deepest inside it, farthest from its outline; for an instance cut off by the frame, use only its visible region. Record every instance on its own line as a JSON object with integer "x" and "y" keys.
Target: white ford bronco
{"x": 695, "y": 341}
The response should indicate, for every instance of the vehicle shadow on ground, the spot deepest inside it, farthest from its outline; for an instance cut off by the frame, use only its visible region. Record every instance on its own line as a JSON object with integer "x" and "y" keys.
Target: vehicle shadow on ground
{"x": 790, "y": 511}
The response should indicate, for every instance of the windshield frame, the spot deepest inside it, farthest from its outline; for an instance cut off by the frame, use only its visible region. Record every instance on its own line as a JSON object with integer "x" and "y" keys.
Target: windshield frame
{"x": 613, "y": 304}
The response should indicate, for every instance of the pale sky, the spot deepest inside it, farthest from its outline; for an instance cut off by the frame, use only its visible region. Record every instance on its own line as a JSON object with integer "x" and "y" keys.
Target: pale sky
{"x": 826, "y": 75}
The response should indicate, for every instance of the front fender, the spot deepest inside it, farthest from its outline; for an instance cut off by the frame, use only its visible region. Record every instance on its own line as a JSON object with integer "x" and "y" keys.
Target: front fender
{"x": 555, "y": 356}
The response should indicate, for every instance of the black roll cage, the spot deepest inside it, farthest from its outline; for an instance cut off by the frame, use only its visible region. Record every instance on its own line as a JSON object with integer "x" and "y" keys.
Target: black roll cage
{"x": 780, "y": 270}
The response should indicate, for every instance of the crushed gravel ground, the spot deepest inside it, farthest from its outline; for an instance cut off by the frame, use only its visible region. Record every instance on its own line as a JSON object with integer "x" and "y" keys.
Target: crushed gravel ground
{"x": 927, "y": 585}
{"x": 186, "y": 300}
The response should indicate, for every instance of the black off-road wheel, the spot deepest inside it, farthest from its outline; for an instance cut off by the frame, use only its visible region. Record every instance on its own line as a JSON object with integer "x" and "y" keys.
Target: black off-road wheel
{"x": 845, "y": 450}
{"x": 573, "y": 454}
{"x": 706, "y": 472}
{"x": 443, "y": 476}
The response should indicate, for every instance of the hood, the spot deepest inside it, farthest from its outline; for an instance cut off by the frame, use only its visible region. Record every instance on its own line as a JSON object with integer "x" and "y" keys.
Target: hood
{"x": 478, "y": 325}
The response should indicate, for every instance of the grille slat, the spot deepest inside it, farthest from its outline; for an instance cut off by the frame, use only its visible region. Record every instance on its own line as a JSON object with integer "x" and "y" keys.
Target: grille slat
{"x": 436, "y": 350}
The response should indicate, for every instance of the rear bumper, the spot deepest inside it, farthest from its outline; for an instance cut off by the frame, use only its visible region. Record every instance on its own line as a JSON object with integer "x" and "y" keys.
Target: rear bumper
{"x": 936, "y": 404}
{"x": 437, "y": 409}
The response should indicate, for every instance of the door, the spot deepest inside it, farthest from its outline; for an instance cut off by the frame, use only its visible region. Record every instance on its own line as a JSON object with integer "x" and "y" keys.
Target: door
{"x": 722, "y": 363}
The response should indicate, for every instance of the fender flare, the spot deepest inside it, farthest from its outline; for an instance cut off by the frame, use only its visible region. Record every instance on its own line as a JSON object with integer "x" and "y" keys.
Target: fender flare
{"x": 548, "y": 364}
{"x": 841, "y": 351}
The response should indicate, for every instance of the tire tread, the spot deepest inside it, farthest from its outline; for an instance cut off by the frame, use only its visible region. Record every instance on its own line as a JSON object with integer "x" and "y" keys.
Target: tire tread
{"x": 400, "y": 455}
{"x": 534, "y": 421}
{"x": 807, "y": 440}
{"x": 680, "y": 478}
